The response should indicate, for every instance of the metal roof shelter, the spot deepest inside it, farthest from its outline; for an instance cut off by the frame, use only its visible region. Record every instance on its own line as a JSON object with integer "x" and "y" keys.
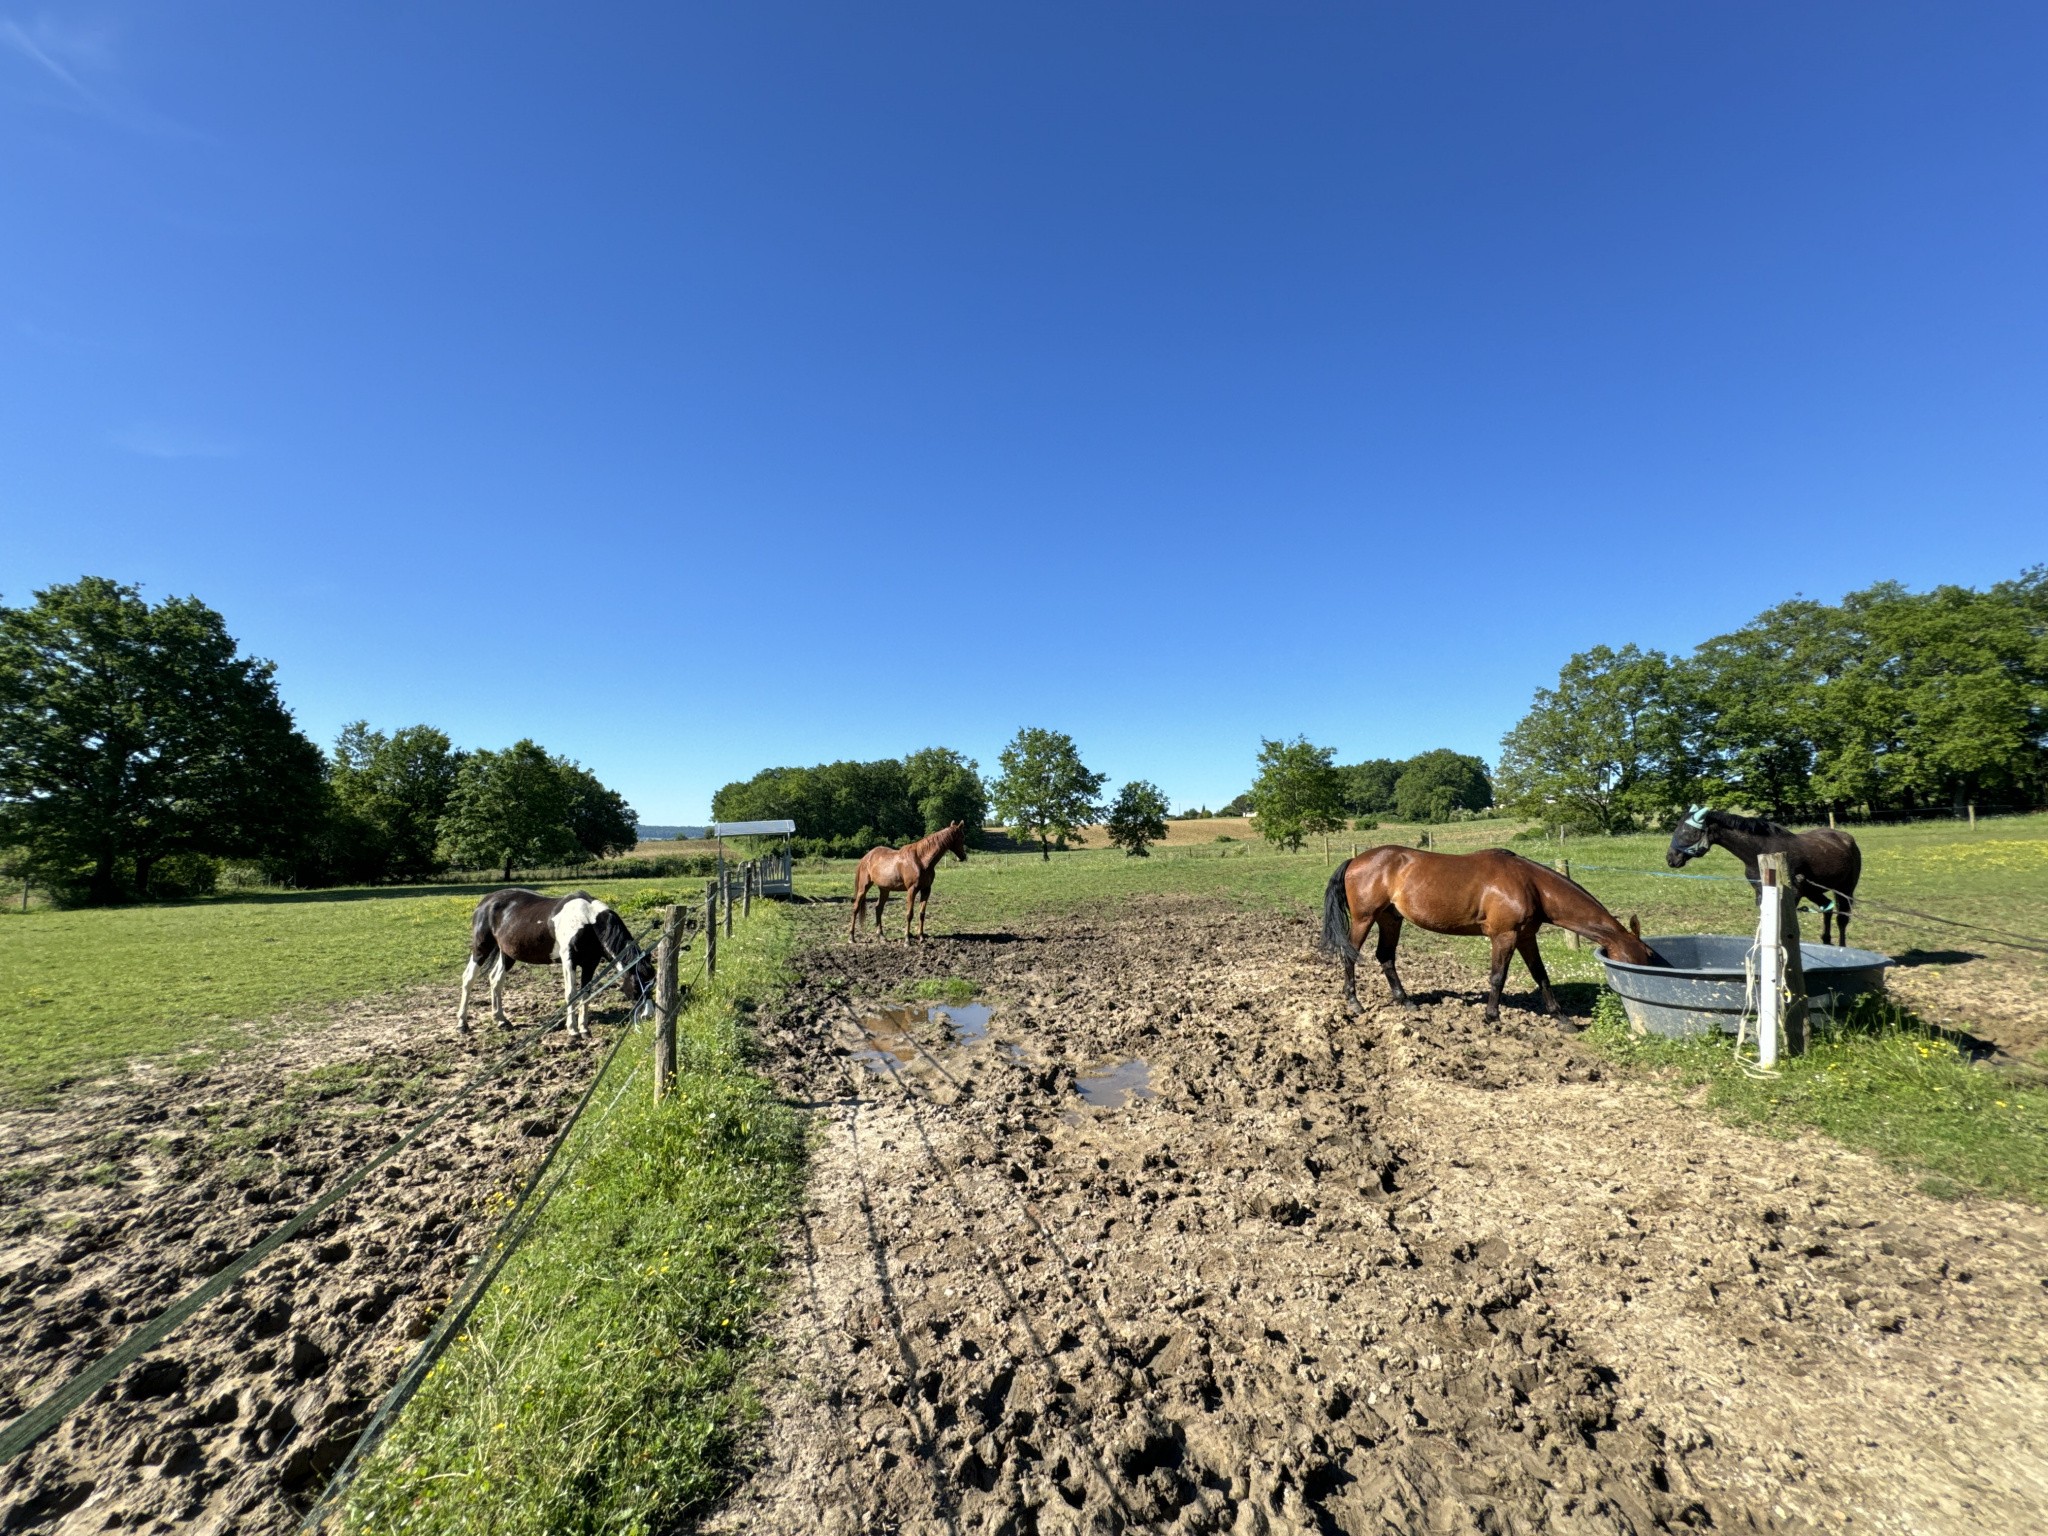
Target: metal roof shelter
{"x": 778, "y": 870}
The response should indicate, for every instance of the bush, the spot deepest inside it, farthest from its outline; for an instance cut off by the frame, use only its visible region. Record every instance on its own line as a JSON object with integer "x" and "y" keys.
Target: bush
{"x": 180, "y": 875}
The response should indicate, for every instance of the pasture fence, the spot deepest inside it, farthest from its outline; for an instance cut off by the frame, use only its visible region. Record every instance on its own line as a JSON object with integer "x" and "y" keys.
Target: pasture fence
{"x": 669, "y": 936}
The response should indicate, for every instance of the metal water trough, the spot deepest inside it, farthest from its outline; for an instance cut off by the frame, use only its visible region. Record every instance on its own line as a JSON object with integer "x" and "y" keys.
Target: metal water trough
{"x": 1702, "y": 988}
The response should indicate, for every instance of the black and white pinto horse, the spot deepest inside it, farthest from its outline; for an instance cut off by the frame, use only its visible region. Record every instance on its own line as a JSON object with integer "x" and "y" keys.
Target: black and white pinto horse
{"x": 1825, "y": 864}
{"x": 579, "y": 932}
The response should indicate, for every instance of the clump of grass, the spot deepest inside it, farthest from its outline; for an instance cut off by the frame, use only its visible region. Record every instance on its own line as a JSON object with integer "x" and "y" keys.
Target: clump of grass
{"x": 944, "y": 989}
{"x": 1878, "y": 1080}
{"x": 601, "y": 1383}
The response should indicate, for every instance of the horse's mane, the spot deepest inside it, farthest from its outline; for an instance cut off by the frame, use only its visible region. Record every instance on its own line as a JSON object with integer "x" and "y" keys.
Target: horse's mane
{"x": 1558, "y": 875}
{"x": 615, "y": 936}
{"x": 1755, "y": 826}
{"x": 935, "y": 839}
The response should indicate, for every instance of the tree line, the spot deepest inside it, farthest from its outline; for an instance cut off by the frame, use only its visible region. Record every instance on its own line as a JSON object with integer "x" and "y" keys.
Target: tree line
{"x": 1889, "y": 701}
{"x": 139, "y": 751}
{"x": 1043, "y": 791}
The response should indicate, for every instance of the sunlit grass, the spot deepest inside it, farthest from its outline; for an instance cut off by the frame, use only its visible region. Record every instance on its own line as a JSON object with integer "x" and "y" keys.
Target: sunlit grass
{"x": 601, "y": 1383}
{"x": 83, "y": 993}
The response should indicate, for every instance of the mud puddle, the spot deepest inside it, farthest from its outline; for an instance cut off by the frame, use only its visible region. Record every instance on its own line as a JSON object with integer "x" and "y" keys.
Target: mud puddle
{"x": 1398, "y": 1273}
{"x": 899, "y": 1038}
{"x": 1115, "y": 1086}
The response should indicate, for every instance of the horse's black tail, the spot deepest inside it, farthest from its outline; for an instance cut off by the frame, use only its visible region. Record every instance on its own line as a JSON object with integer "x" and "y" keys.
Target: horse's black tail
{"x": 1337, "y": 917}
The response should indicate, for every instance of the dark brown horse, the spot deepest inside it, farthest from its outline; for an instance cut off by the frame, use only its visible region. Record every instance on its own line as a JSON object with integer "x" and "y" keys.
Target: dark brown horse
{"x": 1493, "y": 892}
{"x": 580, "y": 932}
{"x": 908, "y": 870}
{"x": 1825, "y": 864}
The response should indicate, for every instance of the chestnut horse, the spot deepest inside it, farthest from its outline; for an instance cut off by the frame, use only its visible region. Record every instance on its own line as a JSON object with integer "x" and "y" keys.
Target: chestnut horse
{"x": 1493, "y": 892}
{"x": 908, "y": 870}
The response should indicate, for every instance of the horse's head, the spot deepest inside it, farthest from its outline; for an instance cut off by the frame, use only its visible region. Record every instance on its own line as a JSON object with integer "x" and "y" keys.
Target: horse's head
{"x": 639, "y": 985}
{"x": 636, "y": 966}
{"x": 1629, "y": 948}
{"x": 956, "y": 840}
{"x": 1690, "y": 838}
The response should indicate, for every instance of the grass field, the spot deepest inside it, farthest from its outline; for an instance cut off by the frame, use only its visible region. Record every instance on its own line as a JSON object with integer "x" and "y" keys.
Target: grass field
{"x": 82, "y": 993}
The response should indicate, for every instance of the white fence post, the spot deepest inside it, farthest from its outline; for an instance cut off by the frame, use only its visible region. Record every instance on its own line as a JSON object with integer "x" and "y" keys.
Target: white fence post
{"x": 1770, "y": 981}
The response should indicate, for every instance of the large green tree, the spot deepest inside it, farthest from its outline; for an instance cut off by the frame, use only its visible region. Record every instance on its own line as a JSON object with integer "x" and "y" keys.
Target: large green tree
{"x": 1601, "y": 748}
{"x": 521, "y": 807}
{"x": 390, "y": 793}
{"x": 599, "y": 818}
{"x": 131, "y": 733}
{"x": 1298, "y": 794}
{"x": 1434, "y": 784}
{"x": 1137, "y": 817}
{"x": 1369, "y": 786}
{"x": 1044, "y": 787}
{"x": 946, "y": 787}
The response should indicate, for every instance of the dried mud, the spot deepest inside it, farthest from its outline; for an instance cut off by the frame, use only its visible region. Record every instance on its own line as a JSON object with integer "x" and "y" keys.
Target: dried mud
{"x": 126, "y": 1195}
{"x": 1407, "y": 1272}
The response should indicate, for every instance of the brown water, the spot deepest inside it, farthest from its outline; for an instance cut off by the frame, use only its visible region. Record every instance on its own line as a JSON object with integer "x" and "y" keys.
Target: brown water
{"x": 1114, "y": 1087}
{"x": 893, "y": 1035}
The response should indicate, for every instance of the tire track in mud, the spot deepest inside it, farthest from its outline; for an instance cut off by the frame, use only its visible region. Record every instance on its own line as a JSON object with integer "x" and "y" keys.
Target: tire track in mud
{"x": 1408, "y": 1272}
{"x": 126, "y": 1196}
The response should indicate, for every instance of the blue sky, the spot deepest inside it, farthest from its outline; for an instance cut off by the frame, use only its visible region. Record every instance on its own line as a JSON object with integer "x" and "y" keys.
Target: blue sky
{"x": 697, "y": 388}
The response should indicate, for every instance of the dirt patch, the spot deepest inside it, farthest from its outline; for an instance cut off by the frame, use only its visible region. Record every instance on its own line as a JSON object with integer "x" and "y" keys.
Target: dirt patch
{"x": 1408, "y": 1272}
{"x": 1997, "y": 996}
{"x": 124, "y": 1196}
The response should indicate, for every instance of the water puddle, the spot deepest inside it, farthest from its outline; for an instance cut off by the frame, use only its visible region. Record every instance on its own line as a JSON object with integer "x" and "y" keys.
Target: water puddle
{"x": 1114, "y": 1087}
{"x": 967, "y": 1023}
{"x": 891, "y": 1035}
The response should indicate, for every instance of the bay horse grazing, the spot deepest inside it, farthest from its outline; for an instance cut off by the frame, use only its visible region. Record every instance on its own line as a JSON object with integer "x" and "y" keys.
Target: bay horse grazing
{"x": 579, "y": 932}
{"x": 1493, "y": 892}
{"x": 1825, "y": 864}
{"x": 909, "y": 870}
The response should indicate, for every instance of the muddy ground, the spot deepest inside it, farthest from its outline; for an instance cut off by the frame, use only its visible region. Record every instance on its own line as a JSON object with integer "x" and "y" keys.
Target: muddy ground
{"x": 126, "y": 1195}
{"x": 1406, "y": 1272}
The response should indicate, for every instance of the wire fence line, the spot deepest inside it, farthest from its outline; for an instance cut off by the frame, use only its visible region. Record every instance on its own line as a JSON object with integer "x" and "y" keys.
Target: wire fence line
{"x": 511, "y": 1233}
{"x": 37, "y": 1421}
{"x": 1863, "y": 906}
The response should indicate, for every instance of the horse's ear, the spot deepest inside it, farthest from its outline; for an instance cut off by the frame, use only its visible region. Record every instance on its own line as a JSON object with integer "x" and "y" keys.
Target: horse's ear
{"x": 1635, "y": 927}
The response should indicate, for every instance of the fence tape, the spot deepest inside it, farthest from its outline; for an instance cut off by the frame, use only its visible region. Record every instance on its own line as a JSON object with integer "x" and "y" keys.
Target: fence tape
{"x": 512, "y": 1231}
{"x": 36, "y": 1422}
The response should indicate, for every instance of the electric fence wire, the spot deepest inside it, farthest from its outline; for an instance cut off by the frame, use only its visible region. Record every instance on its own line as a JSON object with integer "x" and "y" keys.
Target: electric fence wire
{"x": 503, "y": 1243}
{"x": 30, "y": 1426}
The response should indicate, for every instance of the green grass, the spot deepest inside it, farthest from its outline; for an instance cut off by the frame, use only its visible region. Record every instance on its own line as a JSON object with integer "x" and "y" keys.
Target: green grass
{"x": 601, "y": 1383}
{"x": 83, "y": 993}
{"x": 1880, "y": 1081}
{"x": 943, "y": 989}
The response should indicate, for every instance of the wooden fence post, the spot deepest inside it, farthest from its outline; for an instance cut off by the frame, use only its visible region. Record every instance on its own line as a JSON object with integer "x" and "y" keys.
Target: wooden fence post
{"x": 725, "y": 891}
{"x": 1570, "y": 937}
{"x": 747, "y": 889}
{"x": 665, "y": 1000}
{"x": 711, "y": 928}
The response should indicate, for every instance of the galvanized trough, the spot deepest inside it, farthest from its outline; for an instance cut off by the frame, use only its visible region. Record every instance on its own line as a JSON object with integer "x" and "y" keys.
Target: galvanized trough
{"x": 1702, "y": 988}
